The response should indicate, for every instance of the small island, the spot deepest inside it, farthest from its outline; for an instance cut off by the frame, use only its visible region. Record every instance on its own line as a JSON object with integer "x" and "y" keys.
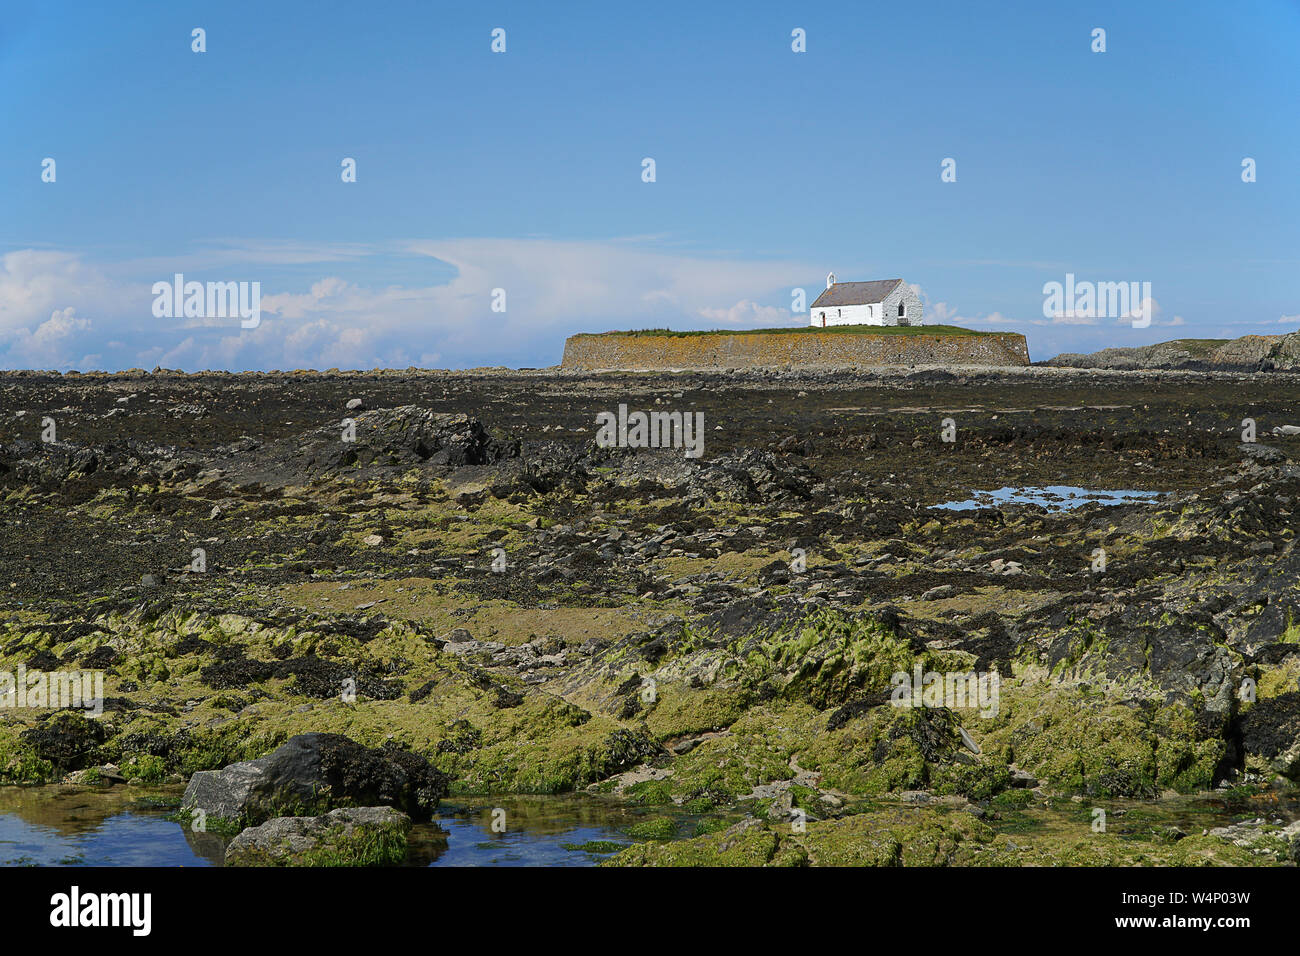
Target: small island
{"x": 842, "y": 346}
{"x": 877, "y": 323}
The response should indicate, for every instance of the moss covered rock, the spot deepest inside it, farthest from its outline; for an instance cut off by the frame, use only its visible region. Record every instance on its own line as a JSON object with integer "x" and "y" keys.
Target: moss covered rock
{"x": 356, "y": 836}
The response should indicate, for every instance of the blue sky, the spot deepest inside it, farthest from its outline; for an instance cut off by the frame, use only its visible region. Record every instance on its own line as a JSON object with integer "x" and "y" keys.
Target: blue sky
{"x": 523, "y": 171}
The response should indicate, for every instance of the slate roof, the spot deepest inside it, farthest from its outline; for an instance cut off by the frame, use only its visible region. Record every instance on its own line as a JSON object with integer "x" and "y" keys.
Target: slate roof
{"x": 856, "y": 293}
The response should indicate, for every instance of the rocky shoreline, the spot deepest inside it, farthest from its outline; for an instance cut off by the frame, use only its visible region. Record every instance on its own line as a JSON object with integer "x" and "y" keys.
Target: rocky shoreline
{"x": 1249, "y": 353}
{"x": 474, "y": 587}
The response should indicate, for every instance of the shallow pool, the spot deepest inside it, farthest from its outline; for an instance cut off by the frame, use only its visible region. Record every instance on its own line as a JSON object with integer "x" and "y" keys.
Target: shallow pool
{"x": 76, "y": 826}
{"x": 1051, "y": 497}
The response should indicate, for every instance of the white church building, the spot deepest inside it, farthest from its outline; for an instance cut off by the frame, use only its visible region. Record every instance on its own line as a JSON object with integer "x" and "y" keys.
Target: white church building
{"x": 879, "y": 302}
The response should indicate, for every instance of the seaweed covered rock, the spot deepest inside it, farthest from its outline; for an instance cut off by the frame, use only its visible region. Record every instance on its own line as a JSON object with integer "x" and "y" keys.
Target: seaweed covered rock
{"x": 317, "y": 771}
{"x": 37, "y": 462}
{"x": 352, "y": 836}
{"x": 1100, "y": 742}
{"x": 752, "y": 476}
{"x": 67, "y": 740}
{"x": 410, "y": 435}
{"x": 888, "y": 748}
{"x": 1270, "y": 735}
{"x": 1183, "y": 656}
{"x": 374, "y": 442}
{"x": 829, "y": 658}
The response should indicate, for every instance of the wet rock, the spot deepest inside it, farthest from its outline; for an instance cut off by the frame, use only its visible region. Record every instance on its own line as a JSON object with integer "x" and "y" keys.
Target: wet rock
{"x": 1281, "y": 842}
{"x": 354, "y": 836}
{"x": 626, "y": 748}
{"x": 318, "y": 770}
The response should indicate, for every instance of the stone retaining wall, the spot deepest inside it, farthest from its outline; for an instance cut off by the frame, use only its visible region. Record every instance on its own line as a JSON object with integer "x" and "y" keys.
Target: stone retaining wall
{"x": 781, "y": 350}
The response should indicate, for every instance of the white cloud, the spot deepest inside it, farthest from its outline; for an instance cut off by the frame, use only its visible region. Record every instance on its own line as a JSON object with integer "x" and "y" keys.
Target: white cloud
{"x": 748, "y": 311}
{"x": 563, "y": 282}
{"x": 35, "y": 283}
{"x": 941, "y": 313}
{"x": 1146, "y": 308}
{"x": 54, "y": 343}
{"x": 552, "y": 288}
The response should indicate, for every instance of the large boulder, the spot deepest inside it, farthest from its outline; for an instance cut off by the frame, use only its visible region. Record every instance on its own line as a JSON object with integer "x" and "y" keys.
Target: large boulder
{"x": 384, "y": 440}
{"x": 1182, "y": 654}
{"x": 352, "y": 836}
{"x": 315, "y": 772}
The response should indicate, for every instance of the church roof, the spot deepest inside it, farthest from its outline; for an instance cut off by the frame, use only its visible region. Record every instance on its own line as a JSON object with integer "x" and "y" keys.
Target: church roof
{"x": 856, "y": 293}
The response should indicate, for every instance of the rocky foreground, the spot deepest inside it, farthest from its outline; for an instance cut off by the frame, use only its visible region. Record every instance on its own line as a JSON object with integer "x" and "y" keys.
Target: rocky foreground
{"x": 472, "y": 597}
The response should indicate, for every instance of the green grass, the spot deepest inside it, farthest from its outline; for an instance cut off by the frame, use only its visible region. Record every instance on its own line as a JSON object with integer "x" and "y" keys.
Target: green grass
{"x": 837, "y": 329}
{"x": 1197, "y": 345}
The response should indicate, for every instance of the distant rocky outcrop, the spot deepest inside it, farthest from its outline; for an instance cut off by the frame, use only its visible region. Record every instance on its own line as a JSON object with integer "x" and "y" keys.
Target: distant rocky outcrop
{"x": 1249, "y": 353}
